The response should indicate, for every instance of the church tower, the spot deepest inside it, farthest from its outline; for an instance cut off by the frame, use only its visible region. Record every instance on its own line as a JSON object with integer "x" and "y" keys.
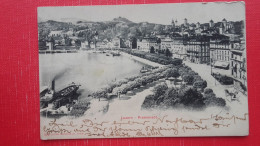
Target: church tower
{"x": 197, "y": 25}
{"x": 185, "y": 22}
{"x": 176, "y": 22}
{"x": 173, "y": 24}
{"x": 211, "y": 23}
{"x": 224, "y": 22}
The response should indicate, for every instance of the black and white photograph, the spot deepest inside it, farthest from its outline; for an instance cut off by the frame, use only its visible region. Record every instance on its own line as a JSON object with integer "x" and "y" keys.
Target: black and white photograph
{"x": 149, "y": 70}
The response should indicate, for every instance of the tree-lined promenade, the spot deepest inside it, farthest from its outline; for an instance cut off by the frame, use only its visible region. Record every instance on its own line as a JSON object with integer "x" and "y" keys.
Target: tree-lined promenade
{"x": 186, "y": 88}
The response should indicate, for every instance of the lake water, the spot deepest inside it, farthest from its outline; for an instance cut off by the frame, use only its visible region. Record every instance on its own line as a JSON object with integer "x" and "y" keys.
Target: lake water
{"x": 91, "y": 70}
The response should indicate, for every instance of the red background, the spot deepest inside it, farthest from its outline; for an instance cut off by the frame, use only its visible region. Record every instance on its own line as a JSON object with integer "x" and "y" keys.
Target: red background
{"x": 19, "y": 81}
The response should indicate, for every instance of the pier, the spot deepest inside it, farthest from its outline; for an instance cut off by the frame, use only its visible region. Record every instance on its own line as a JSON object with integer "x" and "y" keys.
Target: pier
{"x": 57, "y": 51}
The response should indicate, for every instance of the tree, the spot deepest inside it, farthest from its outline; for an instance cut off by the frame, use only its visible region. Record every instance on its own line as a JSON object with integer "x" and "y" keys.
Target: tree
{"x": 79, "y": 22}
{"x": 176, "y": 61}
{"x": 68, "y": 42}
{"x": 116, "y": 44}
{"x": 42, "y": 44}
{"x": 212, "y": 100}
{"x": 173, "y": 72}
{"x": 158, "y": 41}
{"x": 152, "y": 50}
{"x": 215, "y": 102}
{"x": 122, "y": 43}
{"x": 209, "y": 95}
{"x": 168, "y": 53}
{"x": 149, "y": 101}
{"x": 77, "y": 42}
{"x": 192, "y": 98}
{"x": 160, "y": 90}
{"x": 197, "y": 78}
{"x": 171, "y": 97}
{"x": 188, "y": 79}
{"x": 226, "y": 80}
{"x": 158, "y": 28}
{"x": 200, "y": 84}
{"x": 208, "y": 90}
{"x": 134, "y": 43}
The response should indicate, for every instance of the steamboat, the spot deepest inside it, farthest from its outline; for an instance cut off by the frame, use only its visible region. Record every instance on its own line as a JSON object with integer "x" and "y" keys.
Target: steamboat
{"x": 67, "y": 96}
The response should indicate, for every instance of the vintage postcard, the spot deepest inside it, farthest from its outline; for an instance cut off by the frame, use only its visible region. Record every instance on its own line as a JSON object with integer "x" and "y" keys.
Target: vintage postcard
{"x": 151, "y": 70}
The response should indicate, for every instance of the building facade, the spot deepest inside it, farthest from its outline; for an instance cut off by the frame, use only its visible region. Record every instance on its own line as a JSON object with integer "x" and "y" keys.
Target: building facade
{"x": 166, "y": 43}
{"x": 50, "y": 45}
{"x": 146, "y": 44}
{"x": 116, "y": 42}
{"x": 179, "y": 49}
{"x": 238, "y": 67}
{"x": 198, "y": 51}
{"x": 220, "y": 53}
{"x": 84, "y": 45}
{"x": 101, "y": 44}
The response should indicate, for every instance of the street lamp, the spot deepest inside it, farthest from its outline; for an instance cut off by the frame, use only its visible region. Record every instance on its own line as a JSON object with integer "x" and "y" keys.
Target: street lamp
{"x": 244, "y": 78}
{"x": 211, "y": 66}
{"x": 211, "y": 70}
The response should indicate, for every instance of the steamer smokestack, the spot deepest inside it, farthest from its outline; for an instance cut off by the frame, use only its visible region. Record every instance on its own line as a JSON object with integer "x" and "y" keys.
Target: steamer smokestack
{"x": 53, "y": 85}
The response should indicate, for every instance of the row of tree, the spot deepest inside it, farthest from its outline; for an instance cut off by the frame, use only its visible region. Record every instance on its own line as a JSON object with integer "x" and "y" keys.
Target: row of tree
{"x": 191, "y": 94}
{"x": 187, "y": 97}
{"x": 158, "y": 58}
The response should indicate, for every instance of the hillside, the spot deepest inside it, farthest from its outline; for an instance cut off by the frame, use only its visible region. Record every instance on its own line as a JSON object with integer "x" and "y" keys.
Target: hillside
{"x": 117, "y": 27}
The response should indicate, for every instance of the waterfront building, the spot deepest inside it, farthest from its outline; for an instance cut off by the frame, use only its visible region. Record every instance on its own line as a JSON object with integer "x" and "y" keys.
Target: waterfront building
{"x": 110, "y": 45}
{"x": 73, "y": 42}
{"x": 84, "y": 45}
{"x": 56, "y": 33}
{"x": 161, "y": 36}
{"x": 146, "y": 44}
{"x": 50, "y": 45}
{"x": 166, "y": 43}
{"x": 116, "y": 42}
{"x": 69, "y": 34}
{"x": 198, "y": 50}
{"x": 59, "y": 40}
{"x": 178, "y": 49}
{"x": 92, "y": 45}
{"x": 101, "y": 44}
{"x": 128, "y": 43}
{"x": 238, "y": 66}
{"x": 220, "y": 52}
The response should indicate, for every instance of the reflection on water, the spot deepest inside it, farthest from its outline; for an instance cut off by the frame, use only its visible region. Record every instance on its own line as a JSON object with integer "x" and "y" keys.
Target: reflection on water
{"x": 92, "y": 70}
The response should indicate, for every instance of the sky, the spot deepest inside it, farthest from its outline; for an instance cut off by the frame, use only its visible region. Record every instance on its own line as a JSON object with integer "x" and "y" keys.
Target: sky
{"x": 153, "y": 13}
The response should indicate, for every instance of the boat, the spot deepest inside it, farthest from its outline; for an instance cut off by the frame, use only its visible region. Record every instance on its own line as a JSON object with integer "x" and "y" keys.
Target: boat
{"x": 62, "y": 97}
{"x": 144, "y": 70}
{"x": 115, "y": 53}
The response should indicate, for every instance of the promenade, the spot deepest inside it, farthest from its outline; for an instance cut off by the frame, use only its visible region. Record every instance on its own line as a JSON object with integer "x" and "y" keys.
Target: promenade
{"x": 204, "y": 71}
{"x": 145, "y": 61}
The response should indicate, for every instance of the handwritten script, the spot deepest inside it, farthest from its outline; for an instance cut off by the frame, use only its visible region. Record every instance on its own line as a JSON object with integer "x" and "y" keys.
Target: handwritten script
{"x": 158, "y": 127}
